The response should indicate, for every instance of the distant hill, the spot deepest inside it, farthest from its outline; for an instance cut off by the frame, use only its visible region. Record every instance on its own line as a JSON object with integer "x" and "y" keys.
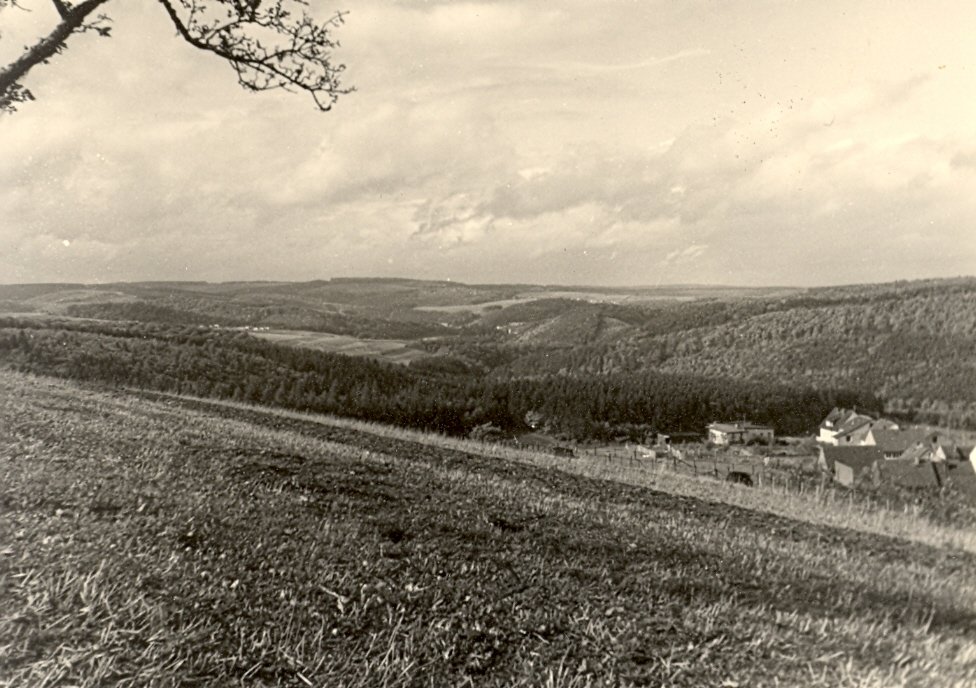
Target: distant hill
{"x": 913, "y": 344}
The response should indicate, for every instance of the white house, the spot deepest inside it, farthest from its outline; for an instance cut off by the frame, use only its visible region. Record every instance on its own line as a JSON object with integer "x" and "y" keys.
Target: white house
{"x": 843, "y": 426}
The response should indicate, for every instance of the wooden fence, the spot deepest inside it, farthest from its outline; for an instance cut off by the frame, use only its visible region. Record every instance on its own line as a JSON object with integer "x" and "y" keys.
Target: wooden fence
{"x": 778, "y": 472}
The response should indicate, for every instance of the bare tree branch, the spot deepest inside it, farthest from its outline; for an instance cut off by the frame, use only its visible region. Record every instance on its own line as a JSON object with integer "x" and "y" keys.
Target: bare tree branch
{"x": 62, "y": 8}
{"x": 270, "y": 44}
{"x": 11, "y": 91}
{"x": 277, "y": 45}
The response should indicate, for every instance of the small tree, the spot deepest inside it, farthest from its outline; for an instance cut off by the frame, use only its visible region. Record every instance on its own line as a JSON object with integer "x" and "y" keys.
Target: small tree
{"x": 534, "y": 419}
{"x": 270, "y": 44}
{"x": 487, "y": 432}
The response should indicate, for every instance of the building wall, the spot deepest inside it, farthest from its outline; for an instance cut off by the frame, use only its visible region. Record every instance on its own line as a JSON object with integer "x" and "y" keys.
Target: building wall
{"x": 844, "y": 474}
{"x": 738, "y": 437}
{"x": 827, "y": 436}
{"x": 719, "y": 437}
{"x": 854, "y": 438}
{"x": 822, "y": 461}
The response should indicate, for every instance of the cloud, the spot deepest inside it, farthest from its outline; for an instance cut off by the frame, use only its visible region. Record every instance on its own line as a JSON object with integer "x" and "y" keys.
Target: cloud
{"x": 451, "y": 222}
{"x": 505, "y": 140}
{"x": 964, "y": 160}
{"x": 597, "y": 68}
{"x": 685, "y": 255}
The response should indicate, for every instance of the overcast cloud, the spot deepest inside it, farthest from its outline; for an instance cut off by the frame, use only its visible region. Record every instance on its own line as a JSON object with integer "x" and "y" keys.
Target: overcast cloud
{"x": 759, "y": 142}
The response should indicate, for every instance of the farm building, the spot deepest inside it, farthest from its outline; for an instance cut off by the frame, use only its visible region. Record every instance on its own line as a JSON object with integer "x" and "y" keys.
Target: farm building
{"x": 894, "y": 443}
{"x": 840, "y": 420}
{"x": 856, "y": 431}
{"x": 928, "y": 449}
{"x": 850, "y": 465}
{"x": 828, "y": 427}
{"x": 911, "y": 474}
{"x": 848, "y": 427}
{"x": 739, "y": 432}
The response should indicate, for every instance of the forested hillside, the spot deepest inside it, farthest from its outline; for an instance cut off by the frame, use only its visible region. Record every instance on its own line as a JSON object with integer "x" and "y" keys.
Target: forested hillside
{"x": 915, "y": 348}
{"x": 448, "y": 399}
{"x": 907, "y": 346}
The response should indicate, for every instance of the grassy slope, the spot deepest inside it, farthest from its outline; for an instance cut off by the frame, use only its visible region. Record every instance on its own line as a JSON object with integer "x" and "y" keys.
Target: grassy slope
{"x": 183, "y": 543}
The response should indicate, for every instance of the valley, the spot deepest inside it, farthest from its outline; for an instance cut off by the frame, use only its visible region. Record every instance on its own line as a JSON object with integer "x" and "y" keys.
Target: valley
{"x": 390, "y": 482}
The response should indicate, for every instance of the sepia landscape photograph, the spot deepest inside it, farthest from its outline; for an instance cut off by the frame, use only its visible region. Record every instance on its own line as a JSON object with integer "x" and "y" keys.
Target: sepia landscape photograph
{"x": 508, "y": 343}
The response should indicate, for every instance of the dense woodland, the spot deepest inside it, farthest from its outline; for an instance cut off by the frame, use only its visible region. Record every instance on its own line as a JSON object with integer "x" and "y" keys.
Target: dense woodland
{"x": 449, "y": 399}
{"x": 914, "y": 349}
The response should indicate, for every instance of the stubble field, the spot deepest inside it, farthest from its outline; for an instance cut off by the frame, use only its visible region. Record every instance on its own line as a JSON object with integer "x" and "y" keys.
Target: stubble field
{"x": 170, "y": 542}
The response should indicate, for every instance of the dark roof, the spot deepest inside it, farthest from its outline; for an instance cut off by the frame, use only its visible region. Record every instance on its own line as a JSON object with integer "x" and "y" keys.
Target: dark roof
{"x": 853, "y": 423}
{"x": 962, "y": 477}
{"x": 837, "y": 413}
{"x": 925, "y": 450}
{"x": 909, "y": 474}
{"x": 898, "y": 440}
{"x": 855, "y": 457}
{"x": 884, "y": 424}
{"x": 835, "y": 416}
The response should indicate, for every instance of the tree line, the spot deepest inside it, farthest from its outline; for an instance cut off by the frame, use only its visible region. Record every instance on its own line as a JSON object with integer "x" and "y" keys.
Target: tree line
{"x": 447, "y": 399}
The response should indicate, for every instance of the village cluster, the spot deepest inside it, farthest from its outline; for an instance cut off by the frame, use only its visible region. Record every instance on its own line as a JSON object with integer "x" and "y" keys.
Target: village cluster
{"x": 857, "y": 449}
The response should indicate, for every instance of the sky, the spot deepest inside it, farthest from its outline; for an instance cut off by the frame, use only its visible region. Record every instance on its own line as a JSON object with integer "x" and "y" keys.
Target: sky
{"x": 622, "y": 142}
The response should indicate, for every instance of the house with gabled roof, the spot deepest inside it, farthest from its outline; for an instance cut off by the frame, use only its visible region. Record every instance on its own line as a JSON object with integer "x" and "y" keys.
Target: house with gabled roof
{"x": 894, "y": 443}
{"x": 911, "y": 474}
{"x": 844, "y": 426}
{"x": 834, "y": 420}
{"x": 928, "y": 449}
{"x": 850, "y": 465}
{"x": 852, "y": 431}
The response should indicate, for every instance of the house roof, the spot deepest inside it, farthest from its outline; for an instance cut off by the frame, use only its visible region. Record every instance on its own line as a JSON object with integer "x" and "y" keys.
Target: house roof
{"x": 884, "y": 424}
{"x": 890, "y": 441}
{"x": 856, "y": 457}
{"x": 924, "y": 450}
{"x": 964, "y": 452}
{"x": 853, "y": 423}
{"x": 836, "y": 415}
{"x": 962, "y": 477}
{"x": 910, "y": 474}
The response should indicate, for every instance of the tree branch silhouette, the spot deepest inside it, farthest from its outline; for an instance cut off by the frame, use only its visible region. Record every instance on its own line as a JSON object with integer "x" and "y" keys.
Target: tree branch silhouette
{"x": 275, "y": 44}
